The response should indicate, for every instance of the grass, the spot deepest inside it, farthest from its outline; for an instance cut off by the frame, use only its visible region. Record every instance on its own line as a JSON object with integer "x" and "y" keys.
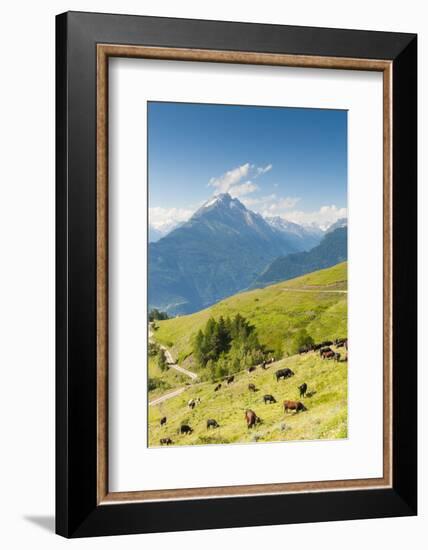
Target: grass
{"x": 276, "y": 313}
{"x": 166, "y": 380}
{"x": 326, "y": 417}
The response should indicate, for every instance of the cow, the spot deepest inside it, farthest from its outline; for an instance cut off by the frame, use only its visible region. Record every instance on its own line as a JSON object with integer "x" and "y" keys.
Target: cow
{"x": 263, "y": 365}
{"x": 230, "y": 379}
{"x": 324, "y": 350}
{"x": 193, "y": 402}
{"x": 336, "y": 356}
{"x": 283, "y": 373}
{"x": 166, "y": 441}
{"x": 327, "y": 343}
{"x": 217, "y": 387}
{"x": 303, "y": 388}
{"x": 251, "y": 369}
{"x": 296, "y": 406}
{"x": 269, "y": 399}
{"x": 252, "y": 387}
{"x": 328, "y": 354}
{"x": 211, "y": 423}
{"x": 163, "y": 421}
{"x": 185, "y": 429}
{"x": 305, "y": 349}
{"x": 251, "y": 418}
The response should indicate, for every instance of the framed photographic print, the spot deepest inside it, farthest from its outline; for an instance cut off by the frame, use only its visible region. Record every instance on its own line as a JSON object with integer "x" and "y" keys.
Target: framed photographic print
{"x": 236, "y": 274}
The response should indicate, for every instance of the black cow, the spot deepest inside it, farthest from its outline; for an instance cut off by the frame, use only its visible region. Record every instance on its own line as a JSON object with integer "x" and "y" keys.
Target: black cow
{"x": 217, "y": 387}
{"x": 163, "y": 421}
{"x": 303, "y": 389}
{"x": 252, "y": 387}
{"x": 230, "y": 379}
{"x": 185, "y": 429}
{"x": 166, "y": 441}
{"x": 283, "y": 373}
{"x": 324, "y": 350}
{"x": 269, "y": 398}
{"x": 251, "y": 369}
{"x": 211, "y": 423}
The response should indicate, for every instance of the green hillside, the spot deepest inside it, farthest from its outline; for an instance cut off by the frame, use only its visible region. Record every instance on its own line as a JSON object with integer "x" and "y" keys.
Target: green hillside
{"x": 325, "y": 418}
{"x": 316, "y": 302}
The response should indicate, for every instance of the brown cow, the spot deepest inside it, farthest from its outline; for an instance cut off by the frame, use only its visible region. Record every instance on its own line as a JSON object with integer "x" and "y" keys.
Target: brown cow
{"x": 252, "y": 387}
{"x": 251, "y": 418}
{"x": 296, "y": 406}
{"x": 328, "y": 355}
{"x": 166, "y": 441}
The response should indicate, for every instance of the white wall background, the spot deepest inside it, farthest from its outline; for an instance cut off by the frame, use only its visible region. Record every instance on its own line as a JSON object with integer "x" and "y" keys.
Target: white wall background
{"x": 27, "y": 270}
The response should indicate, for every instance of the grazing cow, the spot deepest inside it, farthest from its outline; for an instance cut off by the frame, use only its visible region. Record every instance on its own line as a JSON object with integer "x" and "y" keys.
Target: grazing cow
{"x": 263, "y": 365}
{"x": 193, "y": 402}
{"x": 305, "y": 349}
{"x": 336, "y": 357}
{"x": 185, "y": 429}
{"x": 166, "y": 441}
{"x": 296, "y": 406}
{"x": 211, "y": 423}
{"x": 163, "y": 421}
{"x": 269, "y": 398}
{"x": 327, "y": 343}
{"x": 217, "y": 387}
{"x": 317, "y": 347}
{"x": 324, "y": 350}
{"x": 251, "y": 387}
{"x": 283, "y": 373}
{"x": 251, "y": 369}
{"x": 272, "y": 360}
{"x": 230, "y": 379}
{"x": 328, "y": 354}
{"x": 251, "y": 418}
{"x": 303, "y": 389}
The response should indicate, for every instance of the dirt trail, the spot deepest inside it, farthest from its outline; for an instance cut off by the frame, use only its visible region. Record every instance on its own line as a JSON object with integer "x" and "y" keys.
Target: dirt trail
{"x": 167, "y": 396}
{"x": 289, "y": 289}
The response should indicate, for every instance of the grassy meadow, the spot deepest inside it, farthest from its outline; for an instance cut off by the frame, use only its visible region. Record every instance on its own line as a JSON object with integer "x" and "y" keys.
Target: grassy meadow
{"x": 326, "y": 417}
{"x": 316, "y": 302}
{"x": 276, "y": 311}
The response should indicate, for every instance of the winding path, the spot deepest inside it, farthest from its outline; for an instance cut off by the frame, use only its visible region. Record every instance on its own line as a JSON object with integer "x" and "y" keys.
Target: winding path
{"x": 290, "y": 289}
{"x": 172, "y": 363}
{"x": 167, "y": 396}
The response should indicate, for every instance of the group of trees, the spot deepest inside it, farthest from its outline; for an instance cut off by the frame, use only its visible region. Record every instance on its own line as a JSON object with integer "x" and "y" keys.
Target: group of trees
{"x": 227, "y": 345}
{"x": 156, "y": 315}
{"x": 156, "y": 351}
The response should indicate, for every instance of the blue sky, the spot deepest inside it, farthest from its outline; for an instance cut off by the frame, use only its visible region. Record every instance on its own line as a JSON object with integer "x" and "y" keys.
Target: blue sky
{"x": 277, "y": 161}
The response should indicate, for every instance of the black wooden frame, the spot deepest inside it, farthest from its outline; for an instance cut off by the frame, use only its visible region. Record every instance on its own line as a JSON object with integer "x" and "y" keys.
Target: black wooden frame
{"x": 77, "y": 513}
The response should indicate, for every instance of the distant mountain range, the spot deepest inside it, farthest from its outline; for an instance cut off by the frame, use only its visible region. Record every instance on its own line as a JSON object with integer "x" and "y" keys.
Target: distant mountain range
{"x": 219, "y": 251}
{"x": 332, "y": 250}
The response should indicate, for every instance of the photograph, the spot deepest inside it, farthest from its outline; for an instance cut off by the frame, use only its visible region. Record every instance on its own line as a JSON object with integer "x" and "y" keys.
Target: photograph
{"x": 247, "y": 274}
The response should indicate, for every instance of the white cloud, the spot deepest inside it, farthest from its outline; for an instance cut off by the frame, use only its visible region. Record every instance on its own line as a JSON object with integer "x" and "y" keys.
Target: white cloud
{"x": 230, "y": 182}
{"x": 263, "y": 169}
{"x": 323, "y": 217}
{"x": 224, "y": 182}
{"x": 243, "y": 189}
{"x": 165, "y": 219}
{"x": 271, "y": 205}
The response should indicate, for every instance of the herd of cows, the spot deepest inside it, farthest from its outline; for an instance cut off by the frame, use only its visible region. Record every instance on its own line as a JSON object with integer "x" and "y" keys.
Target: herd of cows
{"x": 251, "y": 417}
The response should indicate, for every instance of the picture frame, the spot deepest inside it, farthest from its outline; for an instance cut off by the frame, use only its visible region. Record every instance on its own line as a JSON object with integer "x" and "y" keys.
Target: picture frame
{"x": 84, "y": 44}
